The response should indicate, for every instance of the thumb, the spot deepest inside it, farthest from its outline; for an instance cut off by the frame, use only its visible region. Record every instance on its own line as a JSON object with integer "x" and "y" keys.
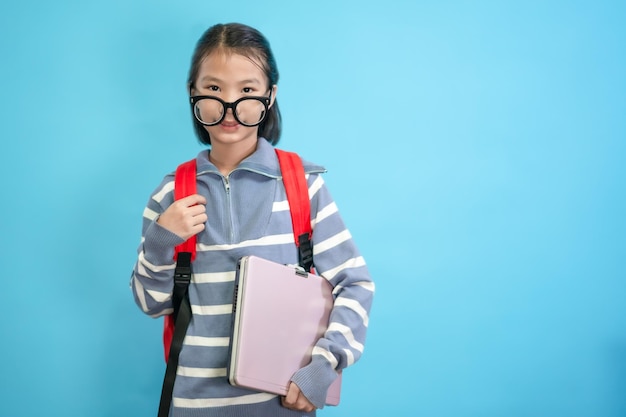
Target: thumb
{"x": 292, "y": 394}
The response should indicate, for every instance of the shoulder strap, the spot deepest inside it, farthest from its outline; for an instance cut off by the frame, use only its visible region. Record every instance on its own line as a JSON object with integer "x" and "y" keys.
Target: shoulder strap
{"x": 184, "y": 186}
{"x": 185, "y": 253}
{"x": 297, "y": 191}
{"x": 175, "y": 325}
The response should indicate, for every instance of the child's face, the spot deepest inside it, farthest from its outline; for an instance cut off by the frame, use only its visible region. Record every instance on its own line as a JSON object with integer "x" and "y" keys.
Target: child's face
{"x": 230, "y": 77}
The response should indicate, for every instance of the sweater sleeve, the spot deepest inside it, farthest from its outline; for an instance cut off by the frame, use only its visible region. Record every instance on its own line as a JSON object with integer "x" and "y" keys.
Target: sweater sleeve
{"x": 338, "y": 260}
{"x": 153, "y": 275}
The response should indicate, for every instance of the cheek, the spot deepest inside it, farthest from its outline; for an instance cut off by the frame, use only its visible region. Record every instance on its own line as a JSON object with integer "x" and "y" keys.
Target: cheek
{"x": 211, "y": 130}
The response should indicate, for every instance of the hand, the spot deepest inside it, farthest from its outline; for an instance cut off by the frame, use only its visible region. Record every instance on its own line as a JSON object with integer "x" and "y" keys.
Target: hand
{"x": 295, "y": 400}
{"x": 185, "y": 217}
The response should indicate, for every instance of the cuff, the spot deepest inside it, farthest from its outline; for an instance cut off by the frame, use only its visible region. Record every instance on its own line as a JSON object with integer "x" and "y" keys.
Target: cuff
{"x": 159, "y": 244}
{"x": 314, "y": 380}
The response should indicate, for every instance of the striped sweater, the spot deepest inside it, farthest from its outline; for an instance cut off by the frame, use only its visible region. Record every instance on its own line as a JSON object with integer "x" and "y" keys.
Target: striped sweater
{"x": 248, "y": 214}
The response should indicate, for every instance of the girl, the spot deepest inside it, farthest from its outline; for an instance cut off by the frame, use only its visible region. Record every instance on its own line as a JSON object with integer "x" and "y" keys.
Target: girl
{"x": 240, "y": 209}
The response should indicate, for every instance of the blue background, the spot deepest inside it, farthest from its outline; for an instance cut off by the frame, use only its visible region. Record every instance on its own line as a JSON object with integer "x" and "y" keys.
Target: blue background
{"x": 476, "y": 150}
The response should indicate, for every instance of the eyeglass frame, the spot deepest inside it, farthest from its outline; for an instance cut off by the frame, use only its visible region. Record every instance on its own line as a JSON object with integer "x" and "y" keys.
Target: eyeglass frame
{"x": 226, "y": 105}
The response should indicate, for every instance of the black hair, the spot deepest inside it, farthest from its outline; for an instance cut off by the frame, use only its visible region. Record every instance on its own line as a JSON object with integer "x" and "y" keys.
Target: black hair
{"x": 243, "y": 40}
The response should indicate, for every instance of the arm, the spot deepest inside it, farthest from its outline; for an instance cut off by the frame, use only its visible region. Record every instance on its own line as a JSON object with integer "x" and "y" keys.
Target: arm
{"x": 338, "y": 260}
{"x": 152, "y": 278}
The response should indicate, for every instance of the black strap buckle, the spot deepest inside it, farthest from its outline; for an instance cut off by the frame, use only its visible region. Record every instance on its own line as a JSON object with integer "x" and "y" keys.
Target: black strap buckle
{"x": 182, "y": 278}
{"x": 305, "y": 251}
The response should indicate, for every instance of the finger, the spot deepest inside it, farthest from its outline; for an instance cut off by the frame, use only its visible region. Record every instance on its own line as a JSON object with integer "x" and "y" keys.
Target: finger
{"x": 196, "y": 210}
{"x": 200, "y": 219}
{"x": 296, "y": 400}
{"x": 291, "y": 398}
{"x": 192, "y": 200}
{"x": 197, "y": 229}
{"x": 303, "y": 403}
{"x": 194, "y": 221}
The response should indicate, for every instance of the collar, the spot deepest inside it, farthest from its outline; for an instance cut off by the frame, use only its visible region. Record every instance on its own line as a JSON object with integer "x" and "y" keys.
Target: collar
{"x": 263, "y": 161}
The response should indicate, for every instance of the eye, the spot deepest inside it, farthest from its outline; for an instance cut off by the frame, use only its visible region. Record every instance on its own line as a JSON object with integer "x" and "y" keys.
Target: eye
{"x": 213, "y": 88}
{"x": 247, "y": 90}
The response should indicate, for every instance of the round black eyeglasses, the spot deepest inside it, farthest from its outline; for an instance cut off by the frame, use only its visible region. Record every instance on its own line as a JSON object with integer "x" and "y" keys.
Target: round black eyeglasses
{"x": 248, "y": 111}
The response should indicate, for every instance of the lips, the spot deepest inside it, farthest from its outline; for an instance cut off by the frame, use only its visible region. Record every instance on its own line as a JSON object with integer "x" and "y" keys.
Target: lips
{"x": 229, "y": 124}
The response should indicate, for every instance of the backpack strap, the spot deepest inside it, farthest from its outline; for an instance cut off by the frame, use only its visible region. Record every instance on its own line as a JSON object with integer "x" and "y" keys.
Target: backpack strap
{"x": 184, "y": 186}
{"x": 175, "y": 325}
{"x": 297, "y": 190}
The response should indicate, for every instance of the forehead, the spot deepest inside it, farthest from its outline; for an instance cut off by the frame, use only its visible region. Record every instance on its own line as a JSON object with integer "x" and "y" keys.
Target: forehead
{"x": 230, "y": 67}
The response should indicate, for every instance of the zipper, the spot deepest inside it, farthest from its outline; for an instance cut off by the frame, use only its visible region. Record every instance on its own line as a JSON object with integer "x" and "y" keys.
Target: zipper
{"x": 226, "y": 182}
{"x": 229, "y": 208}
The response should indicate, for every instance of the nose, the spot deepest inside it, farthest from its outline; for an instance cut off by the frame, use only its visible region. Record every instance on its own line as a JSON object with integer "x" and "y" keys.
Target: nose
{"x": 230, "y": 96}
{"x": 228, "y": 109}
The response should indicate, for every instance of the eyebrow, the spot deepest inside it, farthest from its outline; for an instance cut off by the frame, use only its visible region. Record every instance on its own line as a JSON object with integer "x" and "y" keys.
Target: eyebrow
{"x": 251, "y": 81}
{"x": 246, "y": 81}
{"x": 209, "y": 78}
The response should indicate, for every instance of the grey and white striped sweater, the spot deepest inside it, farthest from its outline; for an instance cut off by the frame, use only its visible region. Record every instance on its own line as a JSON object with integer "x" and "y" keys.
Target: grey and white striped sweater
{"x": 248, "y": 214}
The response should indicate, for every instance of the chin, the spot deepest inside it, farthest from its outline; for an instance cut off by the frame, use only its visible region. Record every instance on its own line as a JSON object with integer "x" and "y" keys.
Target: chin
{"x": 232, "y": 138}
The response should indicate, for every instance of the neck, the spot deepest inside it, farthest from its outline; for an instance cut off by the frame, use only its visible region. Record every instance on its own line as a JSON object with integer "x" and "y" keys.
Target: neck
{"x": 226, "y": 157}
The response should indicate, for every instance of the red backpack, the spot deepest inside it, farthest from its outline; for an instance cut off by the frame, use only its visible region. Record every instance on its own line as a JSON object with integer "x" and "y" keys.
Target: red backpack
{"x": 175, "y": 325}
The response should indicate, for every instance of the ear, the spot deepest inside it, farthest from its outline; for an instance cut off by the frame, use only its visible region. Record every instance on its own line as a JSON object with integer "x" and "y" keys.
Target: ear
{"x": 191, "y": 90}
{"x": 274, "y": 90}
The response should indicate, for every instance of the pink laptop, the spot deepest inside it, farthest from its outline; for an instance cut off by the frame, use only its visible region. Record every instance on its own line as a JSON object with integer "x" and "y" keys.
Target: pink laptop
{"x": 279, "y": 314}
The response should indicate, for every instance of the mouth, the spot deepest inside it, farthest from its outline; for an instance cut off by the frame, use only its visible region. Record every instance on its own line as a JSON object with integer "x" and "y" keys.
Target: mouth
{"x": 229, "y": 124}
